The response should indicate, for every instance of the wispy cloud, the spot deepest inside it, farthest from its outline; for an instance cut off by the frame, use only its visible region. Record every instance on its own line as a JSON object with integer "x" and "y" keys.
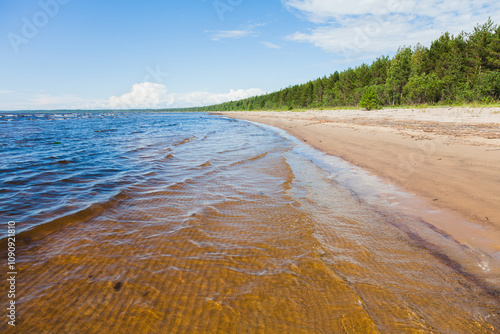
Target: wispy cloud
{"x": 4, "y": 91}
{"x": 44, "y": 101}
{"x": 271, "y": 45}
{"x": 48, "y": 100}
{"x": 374, "y": 27}
{"x": 243, "y": 31}
{"x": 224, "y": 34}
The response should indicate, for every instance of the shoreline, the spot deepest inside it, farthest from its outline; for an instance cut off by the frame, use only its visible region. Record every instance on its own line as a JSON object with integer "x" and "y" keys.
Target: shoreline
{"x": 448, "y": 157}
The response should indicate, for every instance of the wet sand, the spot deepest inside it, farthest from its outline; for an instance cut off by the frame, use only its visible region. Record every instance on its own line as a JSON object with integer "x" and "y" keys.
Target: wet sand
{"x": 449, "y": 157}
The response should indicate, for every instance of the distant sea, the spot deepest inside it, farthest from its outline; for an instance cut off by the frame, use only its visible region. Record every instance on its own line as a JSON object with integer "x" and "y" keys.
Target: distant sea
{"x": 192, "y": 222}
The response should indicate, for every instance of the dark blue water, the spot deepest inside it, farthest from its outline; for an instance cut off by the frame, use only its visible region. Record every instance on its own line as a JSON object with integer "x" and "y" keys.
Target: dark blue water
{"x": 53, "y": 165}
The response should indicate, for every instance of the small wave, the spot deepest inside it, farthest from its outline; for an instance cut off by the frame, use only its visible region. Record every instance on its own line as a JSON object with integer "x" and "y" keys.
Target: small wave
{"x": 257, "y": 157}
{"x": 185, "y": 141}
{"x": 260, "y": 156}
{"x": 76, "y": 216}
{"x": 137, "y": 149}
{"x": 62, "y": 162}
{"x": 172, "y": 124}
{"x": 208, "y": 134}
{"x": 168, "y": 149}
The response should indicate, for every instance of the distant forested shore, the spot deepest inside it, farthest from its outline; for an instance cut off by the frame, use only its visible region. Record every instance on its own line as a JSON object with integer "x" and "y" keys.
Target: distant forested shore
{"x": 454, "y": 69}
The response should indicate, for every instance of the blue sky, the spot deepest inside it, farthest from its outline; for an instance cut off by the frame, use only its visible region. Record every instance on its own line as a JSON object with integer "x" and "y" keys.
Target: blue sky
{"x": 93, "y": 54}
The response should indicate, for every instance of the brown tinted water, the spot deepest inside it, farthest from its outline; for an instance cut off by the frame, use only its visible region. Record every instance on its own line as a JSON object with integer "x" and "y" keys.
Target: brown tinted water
{"x": 235, "y": 230}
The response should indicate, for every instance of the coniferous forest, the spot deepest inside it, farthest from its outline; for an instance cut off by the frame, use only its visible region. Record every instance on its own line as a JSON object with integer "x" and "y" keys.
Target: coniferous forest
{"x": 454, "y": 69}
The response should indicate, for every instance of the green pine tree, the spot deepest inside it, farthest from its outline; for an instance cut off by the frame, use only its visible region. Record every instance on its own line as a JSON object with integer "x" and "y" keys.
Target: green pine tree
{"x": 370, "y": 100}
{"x": 398, "y": 74}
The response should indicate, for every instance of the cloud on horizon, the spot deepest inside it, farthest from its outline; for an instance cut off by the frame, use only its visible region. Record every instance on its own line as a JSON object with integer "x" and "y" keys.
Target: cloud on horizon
{"x": 146, "y": 95}
{"x": 370, "y": 28}
{"x": 154, "y": 95}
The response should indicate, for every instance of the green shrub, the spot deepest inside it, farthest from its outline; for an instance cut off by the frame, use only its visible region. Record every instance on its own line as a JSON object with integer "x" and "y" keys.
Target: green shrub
{"x": 422, "y": 89}
{"x": 487, "y": 87}
{"x": 370, "y": 100}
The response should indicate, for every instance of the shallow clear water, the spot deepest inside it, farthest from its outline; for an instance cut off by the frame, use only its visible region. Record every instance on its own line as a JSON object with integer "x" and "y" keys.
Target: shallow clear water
{"x": 195, "y": 223}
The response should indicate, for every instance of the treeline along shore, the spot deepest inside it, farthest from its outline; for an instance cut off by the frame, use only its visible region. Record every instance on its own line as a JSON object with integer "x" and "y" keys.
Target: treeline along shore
{"x": 454, "y": 69}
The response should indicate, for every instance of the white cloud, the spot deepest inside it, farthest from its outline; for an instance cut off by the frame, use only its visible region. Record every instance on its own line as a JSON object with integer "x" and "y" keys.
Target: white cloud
{"x": 375, "y": 27}
{"x": 4, "y": 91}
{"x": 372, "y": 38}
{"x": 223, "y": 34}
{"x": 244, "y": 31}
{"x": 271, "y": 45}
{"x": 177, "y": 100}
{"x": 145, "y": 95}
{"x": 149, "y": 95}
{"x": 325, "y": 10}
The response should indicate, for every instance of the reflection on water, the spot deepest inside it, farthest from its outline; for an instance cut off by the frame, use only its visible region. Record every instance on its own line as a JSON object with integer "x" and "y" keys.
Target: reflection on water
{"x": 175, "y": 223}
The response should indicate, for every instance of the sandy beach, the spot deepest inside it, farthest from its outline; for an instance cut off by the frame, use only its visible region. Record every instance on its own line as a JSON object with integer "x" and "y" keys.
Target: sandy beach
{"x": 449, "y": 157}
